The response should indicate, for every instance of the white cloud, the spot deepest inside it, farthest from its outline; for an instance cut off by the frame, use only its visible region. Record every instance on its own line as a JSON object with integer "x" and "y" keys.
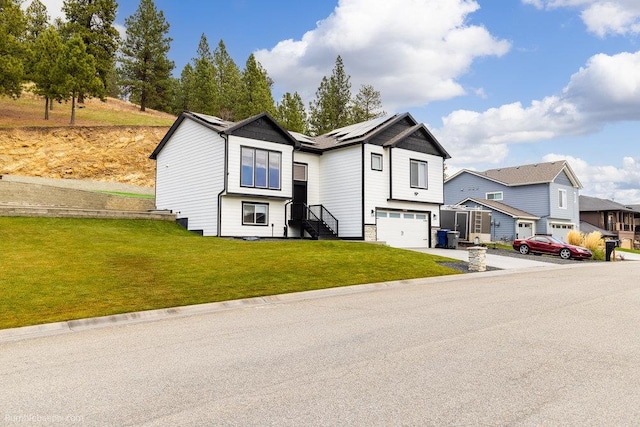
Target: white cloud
{"x": 621, "y": 184}
{"x": 412, "y": 51}
{"x": 601, "y": 17}
{"x": 606, "y": 90}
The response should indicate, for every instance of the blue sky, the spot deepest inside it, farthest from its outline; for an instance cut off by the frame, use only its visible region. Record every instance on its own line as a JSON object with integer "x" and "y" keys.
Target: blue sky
{"x": 499, "y": 82}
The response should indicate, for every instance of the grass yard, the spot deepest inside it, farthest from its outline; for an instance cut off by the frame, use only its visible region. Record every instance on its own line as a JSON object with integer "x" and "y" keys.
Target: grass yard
{"x": 56, "y": 269}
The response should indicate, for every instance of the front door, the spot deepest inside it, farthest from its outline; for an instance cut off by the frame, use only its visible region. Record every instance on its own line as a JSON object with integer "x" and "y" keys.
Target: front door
{"x": 298, "y": 211}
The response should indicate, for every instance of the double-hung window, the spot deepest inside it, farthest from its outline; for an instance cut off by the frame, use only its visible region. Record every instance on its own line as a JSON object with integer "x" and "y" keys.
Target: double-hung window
{"x": 260, "y": 168}
{"x": 255, "y": 213}
{"x": 418, "y": 170}
{"x": 562, "y": 199}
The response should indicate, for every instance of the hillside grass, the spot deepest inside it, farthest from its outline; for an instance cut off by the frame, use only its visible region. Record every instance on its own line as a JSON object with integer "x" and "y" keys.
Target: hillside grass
{"x": 28, "y": 111}
{"x": 56, "y": 269}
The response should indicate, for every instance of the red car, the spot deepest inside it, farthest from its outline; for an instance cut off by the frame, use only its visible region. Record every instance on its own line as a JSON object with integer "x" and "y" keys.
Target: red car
{"x": 550, "y": 245}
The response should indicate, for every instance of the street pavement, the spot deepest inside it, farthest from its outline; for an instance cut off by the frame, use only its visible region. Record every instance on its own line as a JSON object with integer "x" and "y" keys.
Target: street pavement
{"x": 549, "y": 346}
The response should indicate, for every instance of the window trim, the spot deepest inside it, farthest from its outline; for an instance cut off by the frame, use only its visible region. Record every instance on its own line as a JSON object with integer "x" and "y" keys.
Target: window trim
{"x": 379, "y": 157}
{"x": 269, "y": 159}
{"x": 562, "y": 198}
{"x": 426, "y": 173}
{"x": 255, "y": 223}
{"x": 486, "y": 195}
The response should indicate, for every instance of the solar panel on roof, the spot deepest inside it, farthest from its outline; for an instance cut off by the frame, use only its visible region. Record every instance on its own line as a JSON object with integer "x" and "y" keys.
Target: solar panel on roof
{"x": 302, "y": 137}
{"x": 211, "y": 119}
{"x": 358, "y": 129}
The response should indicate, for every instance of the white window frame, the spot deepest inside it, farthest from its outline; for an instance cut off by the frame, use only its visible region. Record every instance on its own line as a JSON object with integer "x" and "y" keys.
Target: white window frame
{"x": 272, "y": 158}
{"x": 377, "y": 164}
{"x": 562, "y": 199}
{"x": 497, "y": 195}
{"x": 255, "y": 207}
{"x": 422, "y": 169}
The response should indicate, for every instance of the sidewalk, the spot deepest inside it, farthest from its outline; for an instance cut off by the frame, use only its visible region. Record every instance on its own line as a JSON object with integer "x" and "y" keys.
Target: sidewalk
{"x": 496, "y": 261}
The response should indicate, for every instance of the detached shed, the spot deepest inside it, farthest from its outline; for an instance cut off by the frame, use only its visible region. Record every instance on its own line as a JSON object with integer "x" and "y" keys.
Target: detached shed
{"x": 469, "y": 222}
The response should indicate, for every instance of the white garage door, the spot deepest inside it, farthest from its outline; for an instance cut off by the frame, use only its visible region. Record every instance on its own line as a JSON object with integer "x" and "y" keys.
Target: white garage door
{"x": 403, "y": 229}
{"x": 561, "y": 230}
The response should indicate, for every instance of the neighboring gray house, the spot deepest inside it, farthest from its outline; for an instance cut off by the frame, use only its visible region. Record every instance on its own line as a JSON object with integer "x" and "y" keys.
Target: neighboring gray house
{"x": 380, "y": 180}
{"x": 524, "y": 200}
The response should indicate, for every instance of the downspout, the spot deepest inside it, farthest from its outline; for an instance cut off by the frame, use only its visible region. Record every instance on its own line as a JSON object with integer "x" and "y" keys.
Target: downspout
{"x": 226, "y": 179}
{"x": 362, "y": 163}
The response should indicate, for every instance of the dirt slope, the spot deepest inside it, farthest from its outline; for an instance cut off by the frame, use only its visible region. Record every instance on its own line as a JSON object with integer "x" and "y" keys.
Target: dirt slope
{"x": 99, "y": 153}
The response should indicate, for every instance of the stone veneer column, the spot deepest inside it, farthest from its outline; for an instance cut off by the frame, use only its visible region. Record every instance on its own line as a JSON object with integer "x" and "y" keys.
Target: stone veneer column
{"x": 477, "y": 258}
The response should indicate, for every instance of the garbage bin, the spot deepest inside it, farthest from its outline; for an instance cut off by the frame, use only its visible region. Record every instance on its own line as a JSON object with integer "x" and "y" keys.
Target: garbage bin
{"x": 610, "y": 246}
{"x": 442, "y": 238}
{"x": 452, "y": 239}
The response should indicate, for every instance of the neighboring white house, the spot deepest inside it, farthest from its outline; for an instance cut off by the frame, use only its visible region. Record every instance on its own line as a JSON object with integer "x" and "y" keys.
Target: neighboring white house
{"x": 380, "y": 180}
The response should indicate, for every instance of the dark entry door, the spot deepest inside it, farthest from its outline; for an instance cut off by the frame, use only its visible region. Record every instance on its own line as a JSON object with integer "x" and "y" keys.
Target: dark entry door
{"x": 299, "y": 200}
{"x": 298, "y": 212}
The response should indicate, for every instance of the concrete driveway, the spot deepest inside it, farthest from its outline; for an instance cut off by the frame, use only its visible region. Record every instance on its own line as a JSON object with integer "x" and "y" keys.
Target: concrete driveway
{"x": 542, "y": 346}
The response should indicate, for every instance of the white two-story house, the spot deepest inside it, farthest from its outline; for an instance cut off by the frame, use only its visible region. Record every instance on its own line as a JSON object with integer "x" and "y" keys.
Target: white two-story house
{"x": 380, "y": 180}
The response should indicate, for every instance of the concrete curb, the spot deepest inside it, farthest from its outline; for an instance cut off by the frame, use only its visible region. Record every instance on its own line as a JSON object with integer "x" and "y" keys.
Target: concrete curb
{"x": 125, "y": 319}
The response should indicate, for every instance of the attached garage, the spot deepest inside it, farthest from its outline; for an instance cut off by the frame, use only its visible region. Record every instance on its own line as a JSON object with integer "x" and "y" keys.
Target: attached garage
{"x": 403, "y": 229}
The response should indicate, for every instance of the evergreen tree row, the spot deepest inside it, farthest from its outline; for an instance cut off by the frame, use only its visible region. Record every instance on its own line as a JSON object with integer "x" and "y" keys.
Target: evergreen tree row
{"x": 83, "y": 56}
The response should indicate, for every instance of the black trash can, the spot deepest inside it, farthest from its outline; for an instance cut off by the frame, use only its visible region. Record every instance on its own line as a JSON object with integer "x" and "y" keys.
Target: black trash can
{"x": 452, "y": 239}
{"x": 610, "y": 246}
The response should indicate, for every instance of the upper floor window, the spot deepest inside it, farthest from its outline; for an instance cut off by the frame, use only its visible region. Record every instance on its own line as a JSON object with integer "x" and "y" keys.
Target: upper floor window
{"x": 418, "y": 174}
{"x": 260, "y": 168}
{"x": 496, "y": 195}
{"x": 562, "y": 199}
{"x": 376, "y": 161}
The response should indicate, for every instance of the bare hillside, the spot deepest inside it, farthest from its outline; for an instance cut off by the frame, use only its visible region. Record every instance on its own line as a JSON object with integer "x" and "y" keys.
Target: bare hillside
{"x": 103, "y": 153}
{"x": 110, "y": 142}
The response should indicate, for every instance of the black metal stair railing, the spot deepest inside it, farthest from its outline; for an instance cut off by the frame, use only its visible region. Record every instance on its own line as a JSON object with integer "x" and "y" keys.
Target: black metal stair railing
{"x": 325, "y": 217}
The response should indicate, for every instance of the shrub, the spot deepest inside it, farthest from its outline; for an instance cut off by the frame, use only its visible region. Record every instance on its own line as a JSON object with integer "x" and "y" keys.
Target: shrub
{"x": 592, "y": 241}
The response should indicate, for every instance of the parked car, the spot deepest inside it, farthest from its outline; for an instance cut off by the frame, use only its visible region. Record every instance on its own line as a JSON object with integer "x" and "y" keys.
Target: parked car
{"x": 550, "y": 245}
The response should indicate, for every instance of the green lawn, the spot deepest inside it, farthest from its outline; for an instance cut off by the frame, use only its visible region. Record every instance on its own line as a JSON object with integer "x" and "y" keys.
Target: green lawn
{"x": 56, "y": 269}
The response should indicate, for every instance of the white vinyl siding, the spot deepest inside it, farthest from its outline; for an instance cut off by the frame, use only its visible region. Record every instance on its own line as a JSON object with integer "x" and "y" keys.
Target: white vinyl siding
{"x": 341, "y": 188}
{"x": 190, "y": 174}
{"x": 233, "y": 222}
{"x": 401, "y": 177}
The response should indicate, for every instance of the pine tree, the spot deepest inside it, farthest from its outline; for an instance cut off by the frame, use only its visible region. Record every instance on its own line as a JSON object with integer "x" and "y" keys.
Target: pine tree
{"x": 93, "y": 20}
{"x": 256, "y": 94}
{"x": 13, "y": 51}
{"x": 228, "y": 80}
{"x": 330, "y": 109}
{"x": 185, "y": 91}
{"x": 49, "y": 82}
{"x": 79, "y": 70}
{"x": 291, "y": 113}
{"x": 367, "y": 105}
{"x": 37, "y": 20}
{"x": 203, "y": 99}
{"x": 145, "y": 68}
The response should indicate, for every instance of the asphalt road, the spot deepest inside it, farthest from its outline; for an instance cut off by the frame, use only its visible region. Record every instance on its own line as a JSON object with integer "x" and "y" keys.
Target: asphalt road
{"x": 534, "y": 347}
